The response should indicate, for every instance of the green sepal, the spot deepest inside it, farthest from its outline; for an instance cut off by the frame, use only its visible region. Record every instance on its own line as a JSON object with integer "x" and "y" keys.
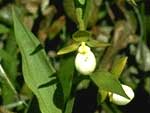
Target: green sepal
{"x": 68, "y": 49}
{"x": 81, "y": 36}
{"x": 96, "y": 43}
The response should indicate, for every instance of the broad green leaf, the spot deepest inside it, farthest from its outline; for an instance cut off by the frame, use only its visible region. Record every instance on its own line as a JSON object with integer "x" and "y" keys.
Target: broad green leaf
{"x": 37, "y": 69}
{"x": 118, "y": 66}
{"x": 81, "y": 36}
{"x": 106, "y": 81}
{"x": 96, "y": 43}
{"x": 3, "y": 29}
{"x": 65, "y": 75}
{"x": 68, "y": 49}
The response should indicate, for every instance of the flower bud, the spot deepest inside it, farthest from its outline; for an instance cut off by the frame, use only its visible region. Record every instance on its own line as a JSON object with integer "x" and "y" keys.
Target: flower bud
{"x": 120, "y": 100}
{"x": 85, "y": 61}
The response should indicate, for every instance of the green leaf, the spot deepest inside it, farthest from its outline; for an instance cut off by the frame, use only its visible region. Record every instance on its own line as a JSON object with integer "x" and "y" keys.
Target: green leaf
{"x": 147, "y": 84}
{"x": 9, "y": 93}
{"x": 70, "y": 9}
{"x": 82, "y": 2}
{"x": 96, "y": 43}
{"x": 91, "y": 11}
{"x": 12, "y": 51}
{"x": 37, "y": 69}
{"x": 56, "y": 27}
{"x": 118, "y": 66}
{"x": 4, "y": 55}
{"x": 68, "y": 49}
{"x": 132, "y": 2}
{"x": 65, "y": 75}
{"x": 143, "y": 56}
{"x": 5, "y": 15}
{"x": 81, "y": 36}
{"x": 3, "y": 29}
{"x": 84, "y": 84}
{"x": 106, "y": 81}
{"x": 9, "y": 62}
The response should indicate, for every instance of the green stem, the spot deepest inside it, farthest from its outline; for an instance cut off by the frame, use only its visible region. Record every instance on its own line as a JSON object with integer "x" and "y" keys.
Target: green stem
{"x": 79, "y": 14}
{"x": 141, "y": 24}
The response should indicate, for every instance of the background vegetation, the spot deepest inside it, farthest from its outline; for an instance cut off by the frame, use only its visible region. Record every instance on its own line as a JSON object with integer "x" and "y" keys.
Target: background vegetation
{"x": 34, "y": 79}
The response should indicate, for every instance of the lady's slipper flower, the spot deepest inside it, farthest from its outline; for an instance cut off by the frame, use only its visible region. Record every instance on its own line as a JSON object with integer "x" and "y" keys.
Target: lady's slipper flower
{"x": 120, "y": 100}
{"x": 85, "y": 61}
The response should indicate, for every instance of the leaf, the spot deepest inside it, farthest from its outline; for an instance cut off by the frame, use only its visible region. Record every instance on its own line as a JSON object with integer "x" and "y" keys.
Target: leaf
{"x": 132, "y": 2}
{"x": 56, "y": 27}
{"x": 68, "y": 49}
{"x": 3, "y": 29}
{"x": 81, "y": 36}
{"x": 70, "y": 10}
{"x": 5, "y": 15}
{"x": 84, "y": 84}
{"x": 65, "y": 75}
{"x": 91, "y": 12}
{"x": 82, "y": 2}
{"x": 4, "y": 55}
{"x": 12, "y": 51}
{"x": 36, "y": 68}
{"x": 118, "y": 66}
{"x": 128, "y": 78}
{"x": 147, "y": 84}
{"x": 9, "y": 62}
{"x": 96, "y": 43}
{"x": 143, "y": 56}
{"x": 106, "y": 81}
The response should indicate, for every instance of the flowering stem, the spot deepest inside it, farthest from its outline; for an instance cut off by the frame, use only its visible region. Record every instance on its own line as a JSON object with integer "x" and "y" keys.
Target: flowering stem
{"x": 79, "y": 14}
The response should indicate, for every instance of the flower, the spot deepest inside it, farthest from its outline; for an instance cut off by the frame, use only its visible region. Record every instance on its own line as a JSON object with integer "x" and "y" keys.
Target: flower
{"x": 85, "y": 61}
{"x": 120, "y": 100}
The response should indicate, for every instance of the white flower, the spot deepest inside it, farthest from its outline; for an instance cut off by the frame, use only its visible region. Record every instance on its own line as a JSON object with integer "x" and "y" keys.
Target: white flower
{"x": 85, "y": 61}
{"x": 120, "y": 100}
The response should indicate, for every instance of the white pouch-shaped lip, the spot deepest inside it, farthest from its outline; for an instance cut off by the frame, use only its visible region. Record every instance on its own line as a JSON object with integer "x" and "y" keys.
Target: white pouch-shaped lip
{"x": 85, "y": 61}
{"x": 120, "y": 100}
